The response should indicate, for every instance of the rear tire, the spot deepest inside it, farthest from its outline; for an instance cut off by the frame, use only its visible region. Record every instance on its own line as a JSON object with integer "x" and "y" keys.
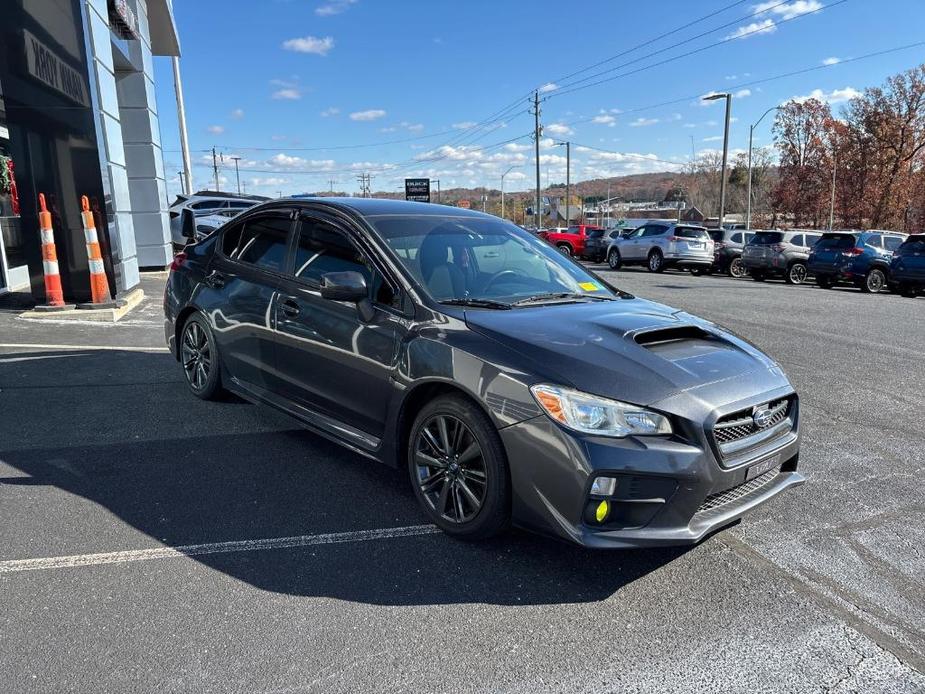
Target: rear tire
{"x": 907, "y": 290}
{"x": 796, "y": 273}
{"x": 824, "y": 281}
{"x": 756, "y": 275}
{"x": 874, "y": 281}
{"x": 565, "y": 249}
{"x": 736, "y": 268}
{"x": 448, "y": 477}
{"x": 697, "y": 272}
{"x": 200, "y": 358}
{"x": 656, "y": 261}
{"x": 614, "y": 260}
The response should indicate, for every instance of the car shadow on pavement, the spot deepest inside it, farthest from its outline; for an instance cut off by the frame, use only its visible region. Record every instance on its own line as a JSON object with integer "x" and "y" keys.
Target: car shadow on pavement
{"x": 183, "y": 472}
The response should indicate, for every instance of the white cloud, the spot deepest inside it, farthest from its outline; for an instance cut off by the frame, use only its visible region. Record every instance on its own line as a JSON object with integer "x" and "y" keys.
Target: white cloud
{"x": 287, "y": 94}
{"x": 277, "y": 138}
{"x": 411, "y": 127}
{"x": 689, "y": 125}
{"x": 643, "y": 122}
{"x": 465, "y": 125}
{"x": 285, "y": 161}
{"x": 552, "y": 159}
{"x": 604, "y": 120}
{"x": 216, "y": 129}
{"x": 515, "y": 147}
{"x": 713, "y": 138}
{"x": 558, "y": 129}
{"x": 779, "y": 11}
{"x": 765, "y": 26}
{"x": 309, "y": 44}
{"x": 731, "y": 77}
{"x": 833, "y": 97}
{"x": 548, "y": 87}
{"x": 237, "y": 113}
{"x": 742, "y": 93}
{"x": 269, "y": 181}
{"x": 330, "y": 111}
{"x": 388, "y": 129}
{"x": 335, "y": 7}
{"x": 831, "y": 61}
{"x": 371, "y": 114}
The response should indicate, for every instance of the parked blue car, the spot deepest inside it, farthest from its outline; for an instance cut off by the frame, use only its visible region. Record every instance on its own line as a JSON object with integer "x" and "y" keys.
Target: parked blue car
{"x": 908, "y": 267}
{"x": 861, "y": 258}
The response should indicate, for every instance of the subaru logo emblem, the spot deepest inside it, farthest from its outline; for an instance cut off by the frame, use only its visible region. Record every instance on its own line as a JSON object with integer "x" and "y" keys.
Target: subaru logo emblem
{"x": 762, "y": 417}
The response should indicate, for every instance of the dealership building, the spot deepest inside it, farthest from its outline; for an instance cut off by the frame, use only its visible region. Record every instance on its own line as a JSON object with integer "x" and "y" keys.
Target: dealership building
{"x": 78, "y": 117}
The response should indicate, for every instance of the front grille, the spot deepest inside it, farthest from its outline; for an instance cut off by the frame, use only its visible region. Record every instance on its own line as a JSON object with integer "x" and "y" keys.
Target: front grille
{"x": 738, "y": 431}
{"x": 735, "y": 493}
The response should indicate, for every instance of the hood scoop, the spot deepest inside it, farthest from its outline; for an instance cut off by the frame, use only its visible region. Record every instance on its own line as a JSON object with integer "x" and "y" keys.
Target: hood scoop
{"x": 651, "y": 338}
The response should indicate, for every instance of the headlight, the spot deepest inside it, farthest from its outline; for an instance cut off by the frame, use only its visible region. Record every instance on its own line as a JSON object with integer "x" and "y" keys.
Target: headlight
{"x": 591, "y": 414}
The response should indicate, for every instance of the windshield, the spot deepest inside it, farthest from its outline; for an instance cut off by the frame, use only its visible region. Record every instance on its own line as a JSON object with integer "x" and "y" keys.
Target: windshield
{"x": 766, "y": 238}
{"x": 472, "y": 258}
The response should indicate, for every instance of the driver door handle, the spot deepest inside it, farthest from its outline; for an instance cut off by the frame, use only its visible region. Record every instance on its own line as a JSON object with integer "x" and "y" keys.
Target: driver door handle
{"x": 290, "y": 307}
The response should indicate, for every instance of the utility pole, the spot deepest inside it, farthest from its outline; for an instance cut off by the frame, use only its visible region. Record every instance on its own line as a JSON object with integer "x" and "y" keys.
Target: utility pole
{"x": 215, "y": 168}
{"x": 437, "y": 181}
{"x": 568, "y": 183}
{"x": 331, "y": 182}
{"x": 608, "y": 201}
{"x": 181, "y": 123}
{"x": 832, "y": 201}
{"x": 182, "y": 182}
{"x": 237, "y": 174}
{"x": 751, "y": 133}
{"x": 536, "y": 137}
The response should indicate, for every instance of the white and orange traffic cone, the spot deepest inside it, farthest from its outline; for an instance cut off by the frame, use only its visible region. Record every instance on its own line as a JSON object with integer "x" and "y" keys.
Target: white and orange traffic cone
{"x": 99, "y": 285}
{"x": 54, "y": 295}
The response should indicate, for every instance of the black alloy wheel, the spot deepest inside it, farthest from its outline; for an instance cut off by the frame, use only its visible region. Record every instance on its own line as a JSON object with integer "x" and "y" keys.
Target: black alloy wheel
{"x": 458, "y": 468}
{"x": 796, "y": 274}
{"x": 874, "y": 282}
{"x": 736, "y": 268}
{"x": 199, "y": 358}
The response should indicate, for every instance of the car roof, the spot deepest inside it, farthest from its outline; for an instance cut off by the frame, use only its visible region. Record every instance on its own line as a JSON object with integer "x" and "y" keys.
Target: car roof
{"x": 371, "y": 207}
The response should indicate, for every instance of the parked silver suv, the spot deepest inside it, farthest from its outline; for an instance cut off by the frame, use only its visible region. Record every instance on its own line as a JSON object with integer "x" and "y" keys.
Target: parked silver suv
{"x": 205, "y": 202}
{"x": 779, "y": 254}
{"x": 660, "y": 245}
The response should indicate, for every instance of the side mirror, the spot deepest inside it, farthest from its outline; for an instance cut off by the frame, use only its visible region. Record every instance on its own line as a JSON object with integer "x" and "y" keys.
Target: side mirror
{"x": 188, "y": 224}
{"x": 343, "y": 286}
{"x": 348, "y": 286}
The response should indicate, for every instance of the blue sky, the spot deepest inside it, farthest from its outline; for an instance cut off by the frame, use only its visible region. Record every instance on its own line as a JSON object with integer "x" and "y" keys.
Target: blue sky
{"x": 296, "y": 86}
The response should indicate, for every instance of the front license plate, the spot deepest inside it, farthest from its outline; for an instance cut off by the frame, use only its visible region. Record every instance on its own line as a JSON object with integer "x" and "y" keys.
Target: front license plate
{"x": 760, "y": 468}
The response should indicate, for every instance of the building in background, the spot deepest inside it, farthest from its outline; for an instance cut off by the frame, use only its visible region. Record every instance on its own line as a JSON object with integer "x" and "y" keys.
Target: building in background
{"x": 78, "y": 117}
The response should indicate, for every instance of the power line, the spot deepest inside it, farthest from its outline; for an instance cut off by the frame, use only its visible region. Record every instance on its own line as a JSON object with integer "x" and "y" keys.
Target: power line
{"x": 682, "y": 55}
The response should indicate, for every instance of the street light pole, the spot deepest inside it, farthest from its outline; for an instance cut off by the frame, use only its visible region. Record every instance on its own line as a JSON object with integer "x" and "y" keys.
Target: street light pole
{"x": 722, "y": 183}
{"x": 181, "y": 124}
{"x": 751, "y": 133}
{"x": 237, "y": 175}
{"x": 832, "y": 201}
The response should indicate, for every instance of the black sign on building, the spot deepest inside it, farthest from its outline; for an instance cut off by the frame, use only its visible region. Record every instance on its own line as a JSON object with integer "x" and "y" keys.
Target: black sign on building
{"x": 417, "y": 189}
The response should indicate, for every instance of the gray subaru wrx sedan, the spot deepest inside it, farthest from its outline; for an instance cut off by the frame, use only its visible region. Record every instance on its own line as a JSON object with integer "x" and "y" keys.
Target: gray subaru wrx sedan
{"x": 513, "y": 385}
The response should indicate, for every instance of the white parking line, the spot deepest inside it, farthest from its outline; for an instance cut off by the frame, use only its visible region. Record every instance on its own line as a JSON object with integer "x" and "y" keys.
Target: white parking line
{"x": 17, "y": 565}
{"x": 110, "y": 348}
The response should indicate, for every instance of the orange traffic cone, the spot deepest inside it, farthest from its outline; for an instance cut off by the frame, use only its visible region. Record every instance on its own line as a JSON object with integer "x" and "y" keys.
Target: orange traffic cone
{"x": 99, "y": 285}
{"x": 54, "y": 295}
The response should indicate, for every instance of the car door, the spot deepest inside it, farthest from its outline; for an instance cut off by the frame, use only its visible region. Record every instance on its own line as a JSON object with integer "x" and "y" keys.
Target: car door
{"x": 629, "y": 248}
{"x": 332, "y": 362}
{"x": 244, "y": 278}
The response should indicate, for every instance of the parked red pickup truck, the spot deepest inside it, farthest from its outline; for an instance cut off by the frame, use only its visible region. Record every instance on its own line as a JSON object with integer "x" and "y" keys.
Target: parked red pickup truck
{"x": 581, "y": 241}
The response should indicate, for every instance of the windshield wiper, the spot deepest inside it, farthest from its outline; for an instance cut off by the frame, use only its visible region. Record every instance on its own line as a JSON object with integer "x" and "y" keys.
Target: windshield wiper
{"x": 553, "y": 296}
{"x": 476, "y": 303}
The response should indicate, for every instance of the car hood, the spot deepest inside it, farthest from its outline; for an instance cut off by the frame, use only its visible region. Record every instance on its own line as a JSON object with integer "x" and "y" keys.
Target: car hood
{"x": 629, "y": 349}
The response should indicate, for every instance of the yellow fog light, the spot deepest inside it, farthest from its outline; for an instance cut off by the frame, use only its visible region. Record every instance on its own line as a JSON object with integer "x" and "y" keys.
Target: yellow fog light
{"x": 602, "y": 511}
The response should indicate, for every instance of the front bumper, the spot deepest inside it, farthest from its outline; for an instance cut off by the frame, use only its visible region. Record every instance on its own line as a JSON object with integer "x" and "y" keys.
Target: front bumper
{"x": 684, "y": 493}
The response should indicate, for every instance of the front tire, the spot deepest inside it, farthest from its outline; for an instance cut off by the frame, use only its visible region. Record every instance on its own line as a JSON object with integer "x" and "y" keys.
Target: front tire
{"x": 874, "y": 281}
{"x": 796, "y": 274}
{"x": 656, "y": 261}
{"x": 613, "y": 259}
{"x": 200, "y": 358}
{"x": 458, "y": 469}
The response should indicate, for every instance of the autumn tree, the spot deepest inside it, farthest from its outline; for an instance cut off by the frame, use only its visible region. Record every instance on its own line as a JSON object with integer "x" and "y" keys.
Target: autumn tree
{"x": 801, "y": 134}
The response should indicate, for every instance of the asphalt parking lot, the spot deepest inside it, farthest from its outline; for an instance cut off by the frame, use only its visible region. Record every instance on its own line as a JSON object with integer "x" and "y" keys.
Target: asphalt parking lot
{"x": 303, "y": 567}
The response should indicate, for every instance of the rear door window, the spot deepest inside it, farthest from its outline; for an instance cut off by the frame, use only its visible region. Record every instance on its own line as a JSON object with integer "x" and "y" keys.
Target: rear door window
{"x": 736, "y": 238}
{"x": 891, "y": 243}
{"x": 263, "y": 243}
{"x": 653, "y": 230}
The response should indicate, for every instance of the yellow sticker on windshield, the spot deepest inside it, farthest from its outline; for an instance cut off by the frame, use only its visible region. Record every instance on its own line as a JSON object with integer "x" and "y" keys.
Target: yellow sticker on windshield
{"x": 589, "y": 286}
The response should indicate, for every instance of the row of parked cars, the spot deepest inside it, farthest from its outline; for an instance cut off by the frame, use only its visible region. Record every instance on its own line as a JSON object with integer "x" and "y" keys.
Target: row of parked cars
{"x": 870, "y": 260}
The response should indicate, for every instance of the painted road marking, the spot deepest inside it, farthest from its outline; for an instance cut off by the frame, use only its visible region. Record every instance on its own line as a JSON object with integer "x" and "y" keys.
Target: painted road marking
{"x": 111, "y": 348}
{"x": 17, "y": 565}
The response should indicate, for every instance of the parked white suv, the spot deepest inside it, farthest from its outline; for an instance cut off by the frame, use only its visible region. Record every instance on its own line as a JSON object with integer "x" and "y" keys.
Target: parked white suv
{"x": 206, "y": 202}
{"x": 659, "y": 245}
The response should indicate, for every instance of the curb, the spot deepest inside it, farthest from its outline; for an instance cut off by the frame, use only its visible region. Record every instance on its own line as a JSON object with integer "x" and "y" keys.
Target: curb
{"x": 110, "y": 314}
